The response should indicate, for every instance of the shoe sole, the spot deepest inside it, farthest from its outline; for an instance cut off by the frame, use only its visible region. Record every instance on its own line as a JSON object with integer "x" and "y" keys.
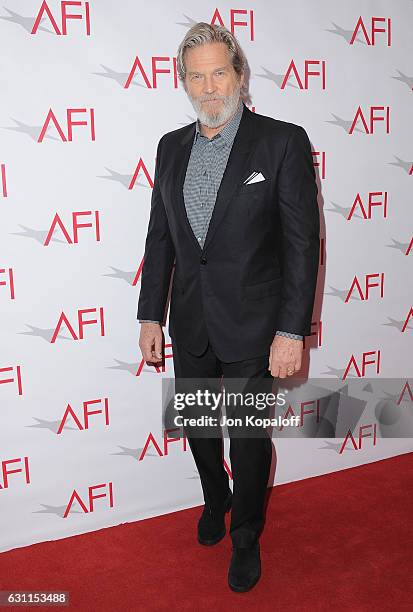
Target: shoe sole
{"x": 221, "y": 535}
{"x": 238, "y": 589}
{"x": 212, "y": 542}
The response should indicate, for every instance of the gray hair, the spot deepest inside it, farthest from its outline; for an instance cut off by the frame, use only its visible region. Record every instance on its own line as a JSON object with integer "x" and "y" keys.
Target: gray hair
{"x": 202, "y": 33}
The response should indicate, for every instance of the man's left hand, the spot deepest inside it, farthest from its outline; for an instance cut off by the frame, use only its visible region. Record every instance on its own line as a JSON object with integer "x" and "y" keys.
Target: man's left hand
{"x": 285, "y": 356}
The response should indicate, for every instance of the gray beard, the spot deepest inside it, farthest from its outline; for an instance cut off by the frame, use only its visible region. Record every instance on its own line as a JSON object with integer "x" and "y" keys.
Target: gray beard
{"x": 214, "y": 120}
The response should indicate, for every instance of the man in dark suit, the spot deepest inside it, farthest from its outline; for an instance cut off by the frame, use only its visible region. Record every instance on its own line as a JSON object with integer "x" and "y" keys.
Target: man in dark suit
{"x": 234, "y": 206}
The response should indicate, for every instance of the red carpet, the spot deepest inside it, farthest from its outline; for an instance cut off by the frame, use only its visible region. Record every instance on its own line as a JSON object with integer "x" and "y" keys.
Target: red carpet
{"x": 337, "y": 542}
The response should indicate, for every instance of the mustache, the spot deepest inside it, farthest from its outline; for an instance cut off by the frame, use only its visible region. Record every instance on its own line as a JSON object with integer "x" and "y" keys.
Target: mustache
{"x": 210, "y": 99}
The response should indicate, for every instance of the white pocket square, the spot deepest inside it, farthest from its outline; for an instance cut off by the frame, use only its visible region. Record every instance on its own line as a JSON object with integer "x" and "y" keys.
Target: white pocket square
{"x": 255, "y": 177}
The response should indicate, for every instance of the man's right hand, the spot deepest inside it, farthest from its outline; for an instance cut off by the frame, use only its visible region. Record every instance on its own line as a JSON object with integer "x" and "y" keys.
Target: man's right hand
{"x": 150, "y": 342}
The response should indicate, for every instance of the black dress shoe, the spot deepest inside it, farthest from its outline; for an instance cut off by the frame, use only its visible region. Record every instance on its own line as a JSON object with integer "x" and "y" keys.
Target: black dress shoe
{"x": 245, "y": 568}
{"x": 211, "y": 525}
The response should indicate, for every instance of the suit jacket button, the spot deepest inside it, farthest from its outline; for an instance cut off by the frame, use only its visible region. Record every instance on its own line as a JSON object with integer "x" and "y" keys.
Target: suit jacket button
{"x": 203, "y": 260}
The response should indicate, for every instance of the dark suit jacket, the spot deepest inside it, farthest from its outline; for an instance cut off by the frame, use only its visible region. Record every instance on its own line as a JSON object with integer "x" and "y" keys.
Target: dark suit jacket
{"x": 257, "y": 271}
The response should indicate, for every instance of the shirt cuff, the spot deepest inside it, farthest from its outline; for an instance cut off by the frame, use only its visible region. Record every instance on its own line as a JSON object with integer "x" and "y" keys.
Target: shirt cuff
{"x": 148, "y": 321}
{"x": 289, "y": 335}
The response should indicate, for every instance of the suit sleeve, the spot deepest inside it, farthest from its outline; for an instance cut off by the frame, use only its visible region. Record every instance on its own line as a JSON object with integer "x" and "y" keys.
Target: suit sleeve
{"x": 159, "y": 256}
{"x": 300, "y": 234}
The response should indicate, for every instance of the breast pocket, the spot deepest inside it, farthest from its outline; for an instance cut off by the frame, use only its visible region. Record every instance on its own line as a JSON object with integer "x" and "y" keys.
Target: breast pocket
{"x": 254, "y": 188}
{"x": 255, "y": 192}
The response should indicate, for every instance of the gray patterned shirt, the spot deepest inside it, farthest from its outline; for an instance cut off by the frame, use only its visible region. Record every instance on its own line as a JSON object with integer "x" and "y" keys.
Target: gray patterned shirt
{"x": 206, "y": 167}
{"x": 203, "y": 177}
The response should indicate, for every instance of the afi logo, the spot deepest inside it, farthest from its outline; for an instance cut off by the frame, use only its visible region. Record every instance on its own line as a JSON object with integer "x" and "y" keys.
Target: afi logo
{"x": 373, "y": 29}
{"x": 151, "y": 74}
{"x": 303, "y": 81}
{"x": 9, "y": 282}
{"x": 57, "y": 222}
{"x": 372, "y": 118}
{"x": 406, "y": 389}
{"x": 322, "y": 252}
{"x": 364, "y": 363}
{"x": 371, "y": 203}
{"x": 82, "y": 422}
{"x": 3, "y": 184}
{"x": 233, "y": 23}
{"x": 321, "y": 163}
{"x": 70, "y": 123}
{"x": 370, "y": 433}
{"x": 63, "y": 320}
{"x": 158, "y": 369}
{"x": 17, "y": 378}
{"x": 407, "y": 319}
{"x": 166, "y": 440}
{"x": 138, "y": 273}
{"x": 303, "y": 411}
{"x": 368, "y": 284}
{"x": 163, "y": 452}
{"x": 317, "y": 333}
{"x": 6, "y": 470}
{"x": 65, "y": 16}
{"x": 91, "y": 496}
{"x": 141, "y": 166}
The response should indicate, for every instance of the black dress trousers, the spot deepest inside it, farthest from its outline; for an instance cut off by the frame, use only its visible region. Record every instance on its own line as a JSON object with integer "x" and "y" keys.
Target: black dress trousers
{"x": 250, "y": 451}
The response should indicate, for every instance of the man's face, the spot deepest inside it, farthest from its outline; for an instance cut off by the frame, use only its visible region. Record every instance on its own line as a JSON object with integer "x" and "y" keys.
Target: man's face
{"x": 211, "y": 83}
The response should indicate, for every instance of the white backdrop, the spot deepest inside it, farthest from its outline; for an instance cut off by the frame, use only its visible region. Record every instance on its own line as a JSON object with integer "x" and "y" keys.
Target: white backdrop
{"x": 81, "y": 443}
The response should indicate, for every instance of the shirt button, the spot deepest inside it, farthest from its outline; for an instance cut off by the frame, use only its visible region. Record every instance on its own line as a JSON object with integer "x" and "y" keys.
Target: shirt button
{"x": 199, "y": 238}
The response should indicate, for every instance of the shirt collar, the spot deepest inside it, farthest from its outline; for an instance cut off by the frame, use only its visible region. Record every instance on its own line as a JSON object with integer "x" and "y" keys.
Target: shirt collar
{"x": 229, "y": 130}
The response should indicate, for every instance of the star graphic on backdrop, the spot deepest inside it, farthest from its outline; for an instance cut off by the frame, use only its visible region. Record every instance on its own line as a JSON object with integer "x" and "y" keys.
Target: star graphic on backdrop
{"x": 135, "y": 453}
{"x": 41, "y": 332}
{"x": 123, "y": 179}
{"x": 33, "y": 131}
{"x": 276, "y": 78}
{"x": 341, "y": 293}
{"x": 403, "y": 78}
{"x": 339, "y": 373}
{"x": 406, "y": 165}
{"x": 26, "y": 23}
{"x": 51, "y": 425}
{"x": 58, "y": 510}
{"x": 128, "y": 277}
{"x": 396, "y": 323}
{"x": 345, "y": 125}
{"x": 119, "y": 77}
{"x": 38, "y": 235}
{"x": 346, "y": 34}
{"x": 189, "y": 22}
{"x": 344, "y": 211}
{"x": 400, "y": 246}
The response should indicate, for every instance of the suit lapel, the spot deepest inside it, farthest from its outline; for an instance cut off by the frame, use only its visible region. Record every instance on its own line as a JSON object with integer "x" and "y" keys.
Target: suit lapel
{"x": 180, "y": 165}
{"x": 241, "y": 150}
